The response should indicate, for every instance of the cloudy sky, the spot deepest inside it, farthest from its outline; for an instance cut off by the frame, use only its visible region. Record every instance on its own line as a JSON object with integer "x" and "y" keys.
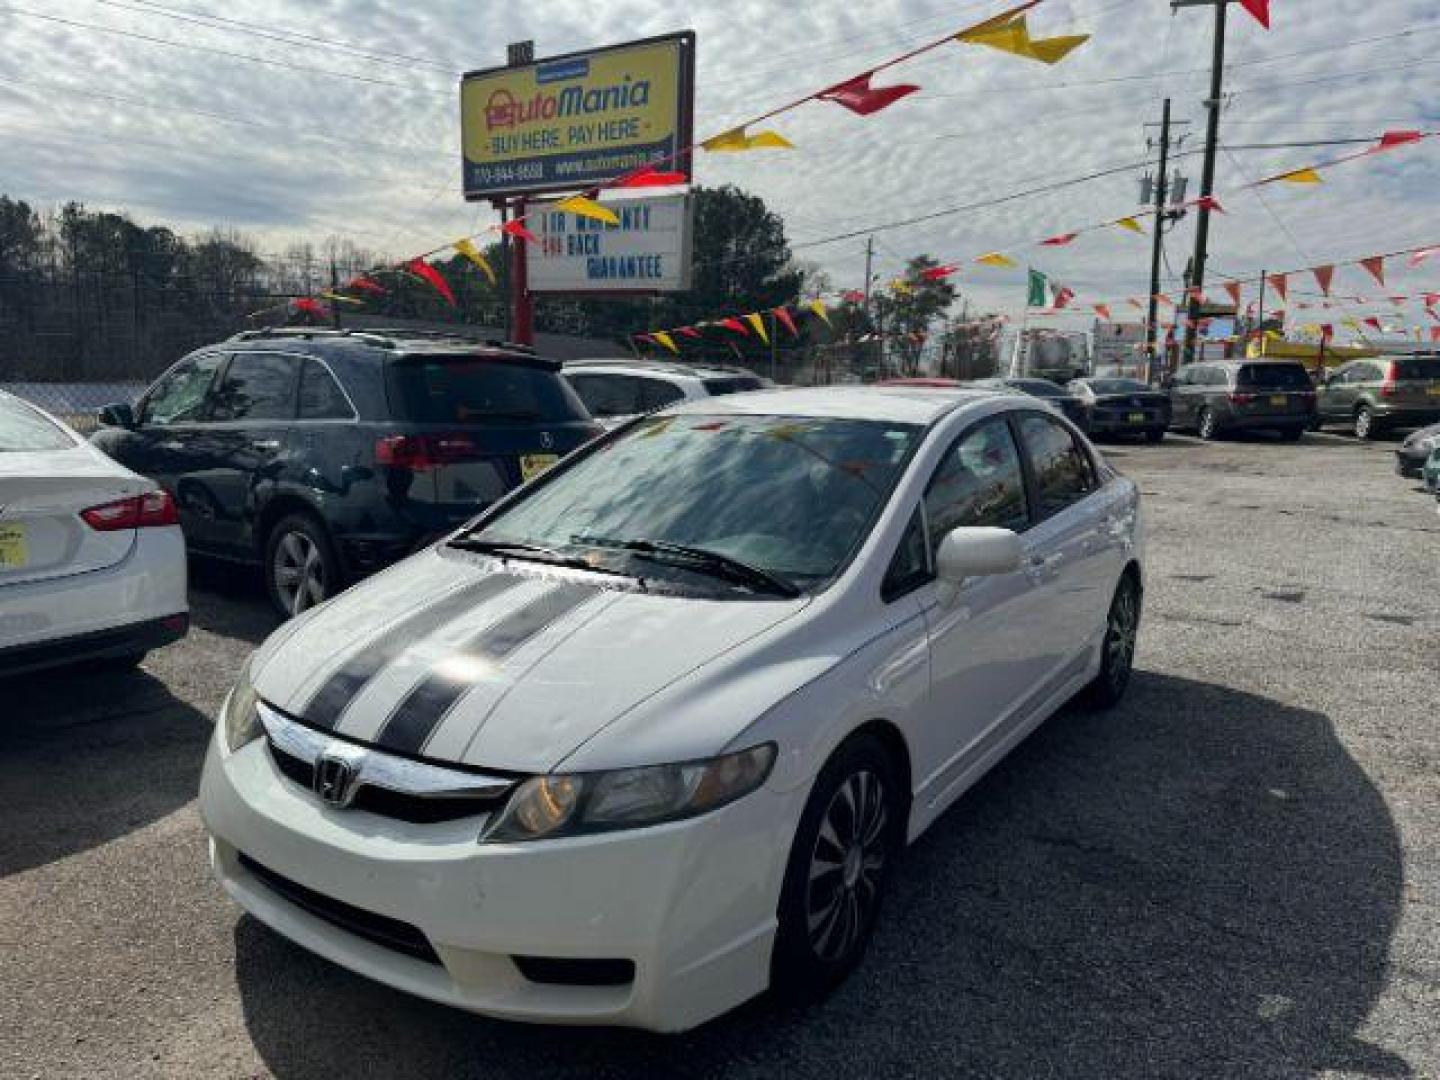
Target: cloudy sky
{"x": 156, "y": 107}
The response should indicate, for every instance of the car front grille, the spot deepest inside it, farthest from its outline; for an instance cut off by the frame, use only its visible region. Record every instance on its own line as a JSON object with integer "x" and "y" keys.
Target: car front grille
{"x": 380, "y": 930}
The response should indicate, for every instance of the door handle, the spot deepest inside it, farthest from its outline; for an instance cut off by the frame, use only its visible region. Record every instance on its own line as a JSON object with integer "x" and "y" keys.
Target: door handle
{"x": 172, "y": 444}
{"x": 267, "y": 446}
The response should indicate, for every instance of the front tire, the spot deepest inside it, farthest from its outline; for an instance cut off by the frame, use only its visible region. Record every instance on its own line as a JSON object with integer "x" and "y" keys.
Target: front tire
{"x": 839, "y": 863}
{"x": 301, "y": 567}
{"x": 1117, "y": 650}
{"x": 1366, "y": 427}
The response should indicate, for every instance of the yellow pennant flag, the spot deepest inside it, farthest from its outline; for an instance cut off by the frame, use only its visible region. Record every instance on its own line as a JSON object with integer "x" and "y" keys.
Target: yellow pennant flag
{"x": 1301, "y": 176}
{"x": 1014, "y": 37}
{"x": 1131, "y": 224}
{"x": 737, "y": 139}
{"x": 665, "y": 339}
{"x": 818, "y": 307}
{"x": 580, "y": 206}
{"x": 757, "y": 323}
{"x": 341, "y": 299}
{"x": 471, "y": 252}
{"x": 996, "y": 258}
{"x": 903, "y": 287}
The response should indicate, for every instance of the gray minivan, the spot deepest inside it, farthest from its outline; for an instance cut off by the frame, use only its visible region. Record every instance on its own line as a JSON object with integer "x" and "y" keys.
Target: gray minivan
{"x": 1213, "y": 397}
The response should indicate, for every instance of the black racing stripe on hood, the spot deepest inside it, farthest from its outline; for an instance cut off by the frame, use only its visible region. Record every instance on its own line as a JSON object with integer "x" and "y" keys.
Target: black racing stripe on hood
{"x": 330, "y": 701}
{"x": 420, "y": 712}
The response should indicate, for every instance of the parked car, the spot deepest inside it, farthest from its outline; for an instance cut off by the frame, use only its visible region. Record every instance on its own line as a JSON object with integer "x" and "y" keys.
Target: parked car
{"x": 322, "y": 456}
{"x": 1375, "y": 396}
{"x": 1220, "y": 396}
{"x": 1430, "y": 474}
{"x": 618, "y": 390}
{"x": 1118, "y": 406}
{"x": 1412, "y": 454}
{"x": 92, "y": 563}
{"x": 650, "y": 733}
{"x": 1049, "y": 392}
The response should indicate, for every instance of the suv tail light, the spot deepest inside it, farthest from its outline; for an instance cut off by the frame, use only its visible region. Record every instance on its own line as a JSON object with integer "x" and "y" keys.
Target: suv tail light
{"x": 1388, "y": 387}
{"x": 420, "y": 453}
{"x": 1242, "y": 399}
{"x": 148, "y": 511}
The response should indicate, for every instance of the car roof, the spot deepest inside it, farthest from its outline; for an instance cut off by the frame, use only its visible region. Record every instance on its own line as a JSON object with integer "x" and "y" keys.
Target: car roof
{"x": 891, "y": 404}
{"x": 398, "y": 341}
{"x": 658, "y": 367}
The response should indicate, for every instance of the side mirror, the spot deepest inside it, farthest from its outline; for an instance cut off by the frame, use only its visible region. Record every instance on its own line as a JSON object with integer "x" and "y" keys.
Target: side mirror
{"x": 117, "y": 415}
{"x": 978, "y": 552}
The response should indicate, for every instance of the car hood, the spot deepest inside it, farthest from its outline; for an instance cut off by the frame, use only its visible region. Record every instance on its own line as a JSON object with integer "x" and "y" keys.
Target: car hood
{"x": 507, "y": 667}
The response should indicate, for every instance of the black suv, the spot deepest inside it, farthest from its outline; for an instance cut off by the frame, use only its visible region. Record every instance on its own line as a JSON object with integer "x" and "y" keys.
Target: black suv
{"x": 325, "y": 455}
{"x": 1214, "y": 397}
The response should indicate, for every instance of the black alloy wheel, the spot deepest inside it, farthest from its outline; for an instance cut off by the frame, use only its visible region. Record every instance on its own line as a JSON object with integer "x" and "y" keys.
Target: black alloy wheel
{"x": 849, "y": 833}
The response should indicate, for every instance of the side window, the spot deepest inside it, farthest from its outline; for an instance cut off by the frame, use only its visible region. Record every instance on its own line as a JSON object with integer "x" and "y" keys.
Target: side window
{"x": 1061, "y": 469}
{"x": 910, "y": 568}
{"x": 257, "y": 386}
{"x": 656, "y": 394}
{"x": 320, "y": 395}
{"x": 179, "y": 398}
{"x": 608, "y": 395}
{"x": 980, "y": 482}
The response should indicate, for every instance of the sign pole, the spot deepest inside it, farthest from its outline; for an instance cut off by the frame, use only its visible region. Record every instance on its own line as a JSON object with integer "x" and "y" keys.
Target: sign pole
{"x": 522, "y": 301}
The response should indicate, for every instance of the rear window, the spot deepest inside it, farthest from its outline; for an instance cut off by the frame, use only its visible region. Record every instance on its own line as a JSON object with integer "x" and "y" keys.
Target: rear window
{"x": 1416, "y": 367}
{"x": 1118, "y": 386}
{"x": 737, "y": 384}
{"x": 1275, "y": 377}
{"x": 478, "y": 390}
{"x": 24, "y": 429}
{"x": 1037, "y": 387}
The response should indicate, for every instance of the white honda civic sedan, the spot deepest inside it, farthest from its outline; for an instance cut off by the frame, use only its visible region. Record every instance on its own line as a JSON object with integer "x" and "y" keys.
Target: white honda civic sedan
{"x": 647, "y": 736}
{"x": 92, "y": 562}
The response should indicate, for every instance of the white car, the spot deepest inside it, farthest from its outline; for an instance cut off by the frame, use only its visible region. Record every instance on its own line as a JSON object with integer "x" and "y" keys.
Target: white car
{"x": 648, "y": 736}
{"x": 92, "y": 563}
{"x": 615, "y": 391}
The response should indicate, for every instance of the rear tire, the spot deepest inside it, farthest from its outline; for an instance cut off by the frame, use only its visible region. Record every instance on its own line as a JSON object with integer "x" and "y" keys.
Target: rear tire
{"x": 840, "y": 860}
{"x": 1292, "y": 434}
{"x": 1366, "y": 426}
{"x": 1206, "y": 426}
{"x": 301, "y": 567}
{"x": 1117, "y": 649}
{"x": 1155, "y": 435}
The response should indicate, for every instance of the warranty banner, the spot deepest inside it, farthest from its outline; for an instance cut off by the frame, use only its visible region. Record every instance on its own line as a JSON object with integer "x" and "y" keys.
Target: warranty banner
{"x": 577, "y": 120}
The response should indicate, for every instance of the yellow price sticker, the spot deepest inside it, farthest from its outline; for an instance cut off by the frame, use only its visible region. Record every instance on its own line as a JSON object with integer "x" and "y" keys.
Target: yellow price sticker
{"x": 13, "y": 551}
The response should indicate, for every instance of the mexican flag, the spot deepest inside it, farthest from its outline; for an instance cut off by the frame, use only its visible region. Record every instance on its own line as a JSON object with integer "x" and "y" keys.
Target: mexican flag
{"x": 1038, "y": 292}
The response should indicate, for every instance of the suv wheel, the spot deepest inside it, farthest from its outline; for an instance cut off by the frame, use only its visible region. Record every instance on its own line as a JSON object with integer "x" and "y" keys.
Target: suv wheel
{"x": 839, "y": 863}
{"x": 1206, "y": 426}
{"x": 301, "y": 568}
{"x": 1365, "y": 425}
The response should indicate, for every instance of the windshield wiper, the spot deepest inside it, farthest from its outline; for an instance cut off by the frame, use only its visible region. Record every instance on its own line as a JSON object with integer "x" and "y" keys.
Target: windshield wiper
{"x": 700, "y": 559}
{"x": 518, "y": 549}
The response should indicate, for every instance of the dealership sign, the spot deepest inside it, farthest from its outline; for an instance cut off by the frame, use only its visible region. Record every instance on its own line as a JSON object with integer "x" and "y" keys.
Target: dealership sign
{"x": 648, "y": 251}
{"x": 577, "y": 120}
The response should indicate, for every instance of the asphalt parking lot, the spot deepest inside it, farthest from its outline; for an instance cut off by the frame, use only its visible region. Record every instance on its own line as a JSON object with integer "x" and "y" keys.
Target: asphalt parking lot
{"x": 1237, "y": 873}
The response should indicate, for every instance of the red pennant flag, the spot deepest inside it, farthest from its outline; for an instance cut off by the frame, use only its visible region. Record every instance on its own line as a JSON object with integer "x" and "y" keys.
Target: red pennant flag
{"x": 365, "y": 283}
{"x": 853, "y": 296}
{"x": 1063, "y": 296}
{"x": 517, "y": 228}
{"x": 1376, "y": 265}
{"x": 689, "y": 331}
{"x": 1206, "y": 202}
{"x": 1327, "y": 330}
{"x": 1399, "y": 301}
{"x": 1233, "y": 288}
{"x": 308, "y": 305}
{"x": 1435, "y": 333}
{"x": 735, "y": 324}
{"x": 1420, "y": 256}
{"x": 785, "y": 319}
{"x": 1324, "y": 275}
{"x": 1391, "y": 139}
{"x": 860, "y": 97}
{"x": 1164, "y": 299}
{"x": 1372, "y": 321}
{"x": 937, "y": 273}
{"x": 423, "y": 270}
{"x": 1281, "y": 284}
{"x": 1260, "y": 9}
{"x": 1432, "y": 298}
{"x": 1059, "y": 241}
{"x": 1103, "y": 310}
{"x": 652, "y": 177}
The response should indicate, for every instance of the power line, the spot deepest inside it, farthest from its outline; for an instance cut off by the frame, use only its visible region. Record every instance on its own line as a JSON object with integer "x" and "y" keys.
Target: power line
{"x": 305, "y": 68}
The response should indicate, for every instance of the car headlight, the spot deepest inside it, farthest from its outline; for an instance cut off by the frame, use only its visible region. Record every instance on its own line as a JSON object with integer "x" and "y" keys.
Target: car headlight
{"x": 239, "y": 716}
{"x": 544, "y": 807}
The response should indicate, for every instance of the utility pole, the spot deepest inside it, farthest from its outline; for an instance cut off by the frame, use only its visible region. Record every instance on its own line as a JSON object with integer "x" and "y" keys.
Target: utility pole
{"x": 334, "y": 291}
{"x": 1162, "y": 182}
{"x": 869, "y": 260}
{"x": 1207, "y": 177}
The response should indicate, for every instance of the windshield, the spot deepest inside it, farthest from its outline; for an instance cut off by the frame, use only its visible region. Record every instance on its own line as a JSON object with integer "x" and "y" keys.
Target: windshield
{"x": 1118, "y": 386}
{"x": 22, "y": 428}
{"x": 789, "y": 496}
{"x": 477, "y": 390}
{"x": 1275, "y": 377}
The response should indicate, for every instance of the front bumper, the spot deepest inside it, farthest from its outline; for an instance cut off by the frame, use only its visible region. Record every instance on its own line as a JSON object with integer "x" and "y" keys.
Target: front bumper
{"x": 690, "y": 904}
